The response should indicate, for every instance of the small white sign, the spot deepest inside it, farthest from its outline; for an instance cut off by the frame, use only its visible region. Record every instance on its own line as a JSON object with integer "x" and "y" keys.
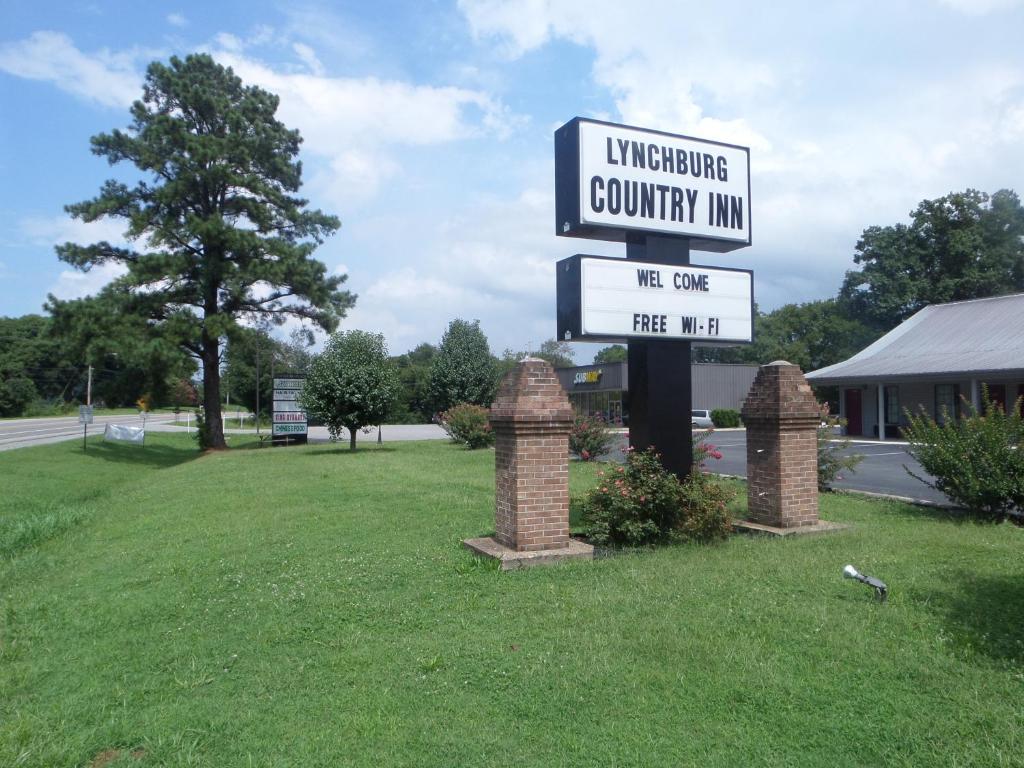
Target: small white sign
{"x": 284, "y": 417}
{"x": 623, "y": 298}
{"x": 85, "y": 414}
{"x": 286, "y": 394}
{"x": 289, "y": 383}
{"x": 287, "y": 405}
{"x": 290, "y": 429}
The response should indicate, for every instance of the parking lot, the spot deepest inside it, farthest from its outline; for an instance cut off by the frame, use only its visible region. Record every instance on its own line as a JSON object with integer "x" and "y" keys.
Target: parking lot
{"x": 883, "y": 470}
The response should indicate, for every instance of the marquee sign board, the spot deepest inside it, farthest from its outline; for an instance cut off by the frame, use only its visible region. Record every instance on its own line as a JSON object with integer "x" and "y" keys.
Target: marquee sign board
{"x": 289, "y": 422}
{"x": 611, "y": 180}
{"x": 615, "y": 300}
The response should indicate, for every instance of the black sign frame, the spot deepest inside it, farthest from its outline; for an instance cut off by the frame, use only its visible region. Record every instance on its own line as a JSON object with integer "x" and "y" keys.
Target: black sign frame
{"x": 569, "y": 306}
{"x": 568, "y": 197}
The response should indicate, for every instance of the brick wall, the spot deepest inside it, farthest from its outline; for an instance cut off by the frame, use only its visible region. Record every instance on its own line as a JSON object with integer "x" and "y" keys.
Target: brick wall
{"x": 531, "y": 418}
{"x": 782, "y": 416}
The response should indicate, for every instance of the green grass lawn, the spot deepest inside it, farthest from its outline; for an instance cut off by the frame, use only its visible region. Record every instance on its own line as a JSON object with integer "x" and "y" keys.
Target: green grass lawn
{"x": 312, "y": 607}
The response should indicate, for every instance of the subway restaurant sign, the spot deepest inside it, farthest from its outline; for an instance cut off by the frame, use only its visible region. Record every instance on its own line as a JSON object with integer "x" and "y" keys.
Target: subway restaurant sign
{"x": 611, "y": 180}
{"x": 290, "y": 424}
{"x": 613, "y": 300}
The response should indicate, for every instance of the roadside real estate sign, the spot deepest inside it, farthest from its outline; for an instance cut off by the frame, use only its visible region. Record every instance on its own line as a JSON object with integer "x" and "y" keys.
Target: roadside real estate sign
{"x": 289, "y": 422}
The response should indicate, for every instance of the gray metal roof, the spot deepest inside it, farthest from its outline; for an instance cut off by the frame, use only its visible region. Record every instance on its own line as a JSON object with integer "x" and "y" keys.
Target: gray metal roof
{"x": 942, "y": 341}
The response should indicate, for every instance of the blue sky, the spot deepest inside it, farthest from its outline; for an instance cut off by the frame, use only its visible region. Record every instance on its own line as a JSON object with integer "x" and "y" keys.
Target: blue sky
{"x": 428, "y": 130}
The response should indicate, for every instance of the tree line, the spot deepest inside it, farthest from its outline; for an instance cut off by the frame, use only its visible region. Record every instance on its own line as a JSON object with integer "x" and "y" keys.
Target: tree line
{"x": 220, "y": 252}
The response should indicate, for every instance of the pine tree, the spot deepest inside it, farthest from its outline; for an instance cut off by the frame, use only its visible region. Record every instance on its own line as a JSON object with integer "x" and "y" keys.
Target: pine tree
{"x": 223, "y": 237}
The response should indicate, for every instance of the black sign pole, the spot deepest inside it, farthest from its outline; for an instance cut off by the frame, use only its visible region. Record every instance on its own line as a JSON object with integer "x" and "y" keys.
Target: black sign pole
{"x": 660, "y": 389}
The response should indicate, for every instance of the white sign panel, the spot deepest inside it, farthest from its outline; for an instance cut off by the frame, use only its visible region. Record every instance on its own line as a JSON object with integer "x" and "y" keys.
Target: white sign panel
{"x": 288, "y": 383}
{"x": 287, "y": 405}
{"x": 118, "y": 432}
{"x": 613, "y": 179}
{"x": 85, "y": 414}
{"x": 636, "y": 299}
{"x": 289, "y": 429}
{"x": 634, "y": 178}
{"x": 282, "y": 417}
{"x": 286, "y": 394}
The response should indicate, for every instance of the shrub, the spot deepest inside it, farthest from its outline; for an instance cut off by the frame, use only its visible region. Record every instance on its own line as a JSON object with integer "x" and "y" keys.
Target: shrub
{"x": 976, "y": 460}
{"x": 703, "y": 450}
{"x": 590, "y": 437}
{"x": 832, "y": 457}
{"x": 202, "y": 430}
{"x": 724, "y": 418}
{"x": 468, "y": 424}
{"x": 643, "y": 503}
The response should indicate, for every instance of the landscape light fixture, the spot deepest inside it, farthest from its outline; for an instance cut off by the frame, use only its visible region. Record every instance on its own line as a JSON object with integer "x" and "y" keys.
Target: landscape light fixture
{"x": 881, "y": 591}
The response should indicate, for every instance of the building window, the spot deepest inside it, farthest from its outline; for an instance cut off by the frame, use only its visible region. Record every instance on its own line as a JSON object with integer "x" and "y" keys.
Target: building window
{"x": 892, "y": 404}
{"x": 945, "y": 402}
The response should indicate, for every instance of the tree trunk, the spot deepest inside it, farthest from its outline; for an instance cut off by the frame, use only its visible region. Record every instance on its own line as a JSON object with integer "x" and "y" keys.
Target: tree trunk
{"x": 211, "y": 392}
{"x": 351, "y": 439}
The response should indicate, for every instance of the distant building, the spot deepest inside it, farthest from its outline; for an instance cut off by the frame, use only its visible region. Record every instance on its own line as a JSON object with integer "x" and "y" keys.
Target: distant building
{"x": 604, "y": 388}
{"x": 929, "y": 361}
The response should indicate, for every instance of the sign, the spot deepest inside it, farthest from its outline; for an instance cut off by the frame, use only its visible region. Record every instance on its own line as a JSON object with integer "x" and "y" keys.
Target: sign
{"x": 605, "y": 299}
{"x": 612, "y": 179}
{"x": 587, "y": 377}
{"x": 282, "y": 417}
{"x": 85, "y": 414}
{"x": 288, "y": 420}
{"x": 290, "y": 430}
{"x": 120, "y": 433}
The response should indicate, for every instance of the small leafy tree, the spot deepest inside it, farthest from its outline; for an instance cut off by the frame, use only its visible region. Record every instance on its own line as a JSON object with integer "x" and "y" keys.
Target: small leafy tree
{"x": 832, "y": 451}
{"x": 976, "y": 461}
{"x": 616, "y": 353}
{"x": 351, "y": 384}
{"x": 469, "y": 425}
{"x": 463, "y": 370}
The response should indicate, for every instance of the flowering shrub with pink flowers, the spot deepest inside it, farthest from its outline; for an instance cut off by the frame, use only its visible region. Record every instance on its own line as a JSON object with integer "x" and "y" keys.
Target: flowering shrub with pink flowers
{"x": 590, "y": 437}
{"x": 643, "y": 503}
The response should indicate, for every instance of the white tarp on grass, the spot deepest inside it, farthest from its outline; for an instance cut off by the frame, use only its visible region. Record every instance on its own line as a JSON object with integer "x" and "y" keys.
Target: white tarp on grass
{"x": 125, "y": 434}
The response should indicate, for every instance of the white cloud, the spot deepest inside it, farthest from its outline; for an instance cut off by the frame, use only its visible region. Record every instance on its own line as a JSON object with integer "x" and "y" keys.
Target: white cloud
{"x": 980, "y": 7}
{"x": 309, "y": 58}
{"x": 72, "y": 284}
{"x": 831, "y": 154}
{"x": 57, "y": 230}
{"x": 356, "y": 123}
{"x": 177, "y": 20}
{"x": 110, "y": 79}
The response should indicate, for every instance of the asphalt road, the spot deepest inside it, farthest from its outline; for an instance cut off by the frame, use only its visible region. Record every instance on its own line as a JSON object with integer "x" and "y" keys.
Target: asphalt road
{"x": 881, "y": 471}
{"x": 22, "y": 433}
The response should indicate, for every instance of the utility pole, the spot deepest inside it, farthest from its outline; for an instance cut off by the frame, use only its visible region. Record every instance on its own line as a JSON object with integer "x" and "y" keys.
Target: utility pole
{"x": 88, "y": 388}
{"x": 257, "y": 385}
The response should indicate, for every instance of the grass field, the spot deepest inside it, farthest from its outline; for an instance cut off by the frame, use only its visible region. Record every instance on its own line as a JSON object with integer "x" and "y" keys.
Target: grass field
{"x": 313, "y": 607}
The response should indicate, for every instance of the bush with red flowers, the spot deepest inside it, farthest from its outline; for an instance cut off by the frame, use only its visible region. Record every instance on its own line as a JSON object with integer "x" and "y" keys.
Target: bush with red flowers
{"x": 590, "y": 437}
{"x": 643, "y": 503}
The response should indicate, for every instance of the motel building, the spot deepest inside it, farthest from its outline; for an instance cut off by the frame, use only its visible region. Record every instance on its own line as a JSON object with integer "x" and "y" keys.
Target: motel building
{"x": 604, "y": 389}
{"x": 932, "y": 362}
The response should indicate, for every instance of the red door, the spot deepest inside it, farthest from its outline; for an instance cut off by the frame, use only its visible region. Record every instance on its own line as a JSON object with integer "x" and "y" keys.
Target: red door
{"x": 854, "y": 421}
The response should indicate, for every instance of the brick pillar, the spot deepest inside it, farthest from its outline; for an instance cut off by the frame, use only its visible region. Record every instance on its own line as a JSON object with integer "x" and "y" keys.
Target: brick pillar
{"x": 782, "y": 417}
{"x": 531, "y": 418}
